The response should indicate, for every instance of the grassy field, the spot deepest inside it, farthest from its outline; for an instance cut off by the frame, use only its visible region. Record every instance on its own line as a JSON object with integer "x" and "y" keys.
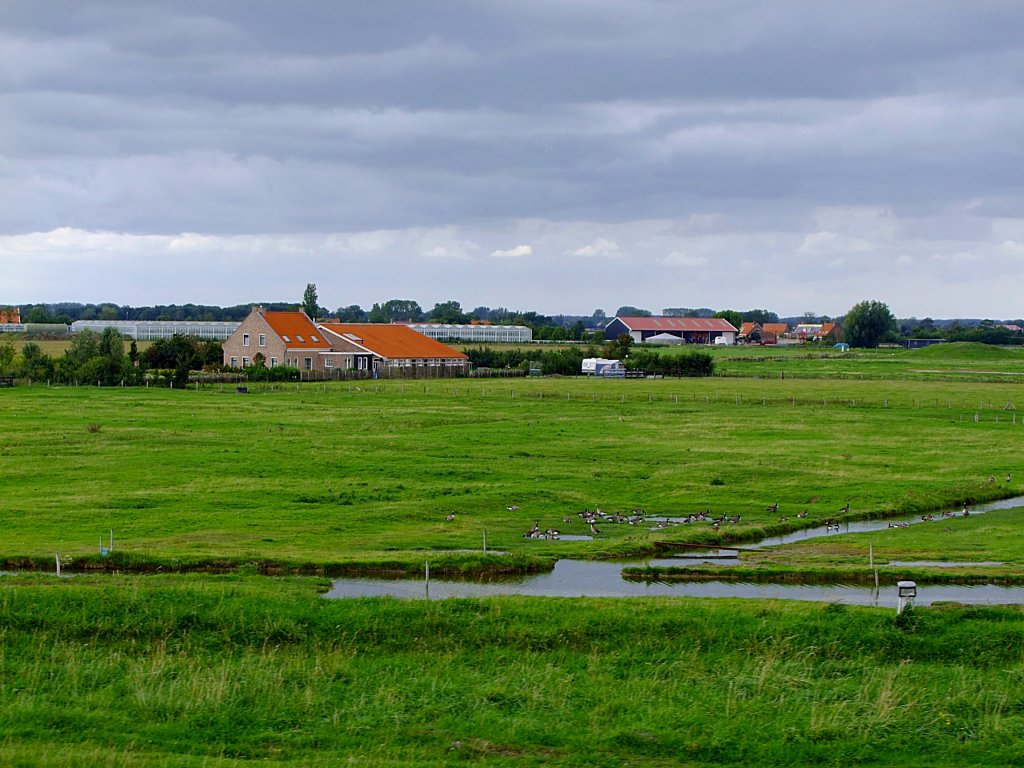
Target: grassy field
{"x": 228, "y": 671}
{"x": 944, "y": 362}
{"x": 337, "y": 474}
{"x": 193, "y": 669}
{"x": 340, "y": 473}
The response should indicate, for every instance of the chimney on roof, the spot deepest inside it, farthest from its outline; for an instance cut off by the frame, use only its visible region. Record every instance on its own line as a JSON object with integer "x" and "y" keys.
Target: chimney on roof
{"x": 258, "y": 309}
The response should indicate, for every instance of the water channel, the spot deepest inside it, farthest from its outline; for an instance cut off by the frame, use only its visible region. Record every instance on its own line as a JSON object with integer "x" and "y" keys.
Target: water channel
{"x": 585, "y": 578}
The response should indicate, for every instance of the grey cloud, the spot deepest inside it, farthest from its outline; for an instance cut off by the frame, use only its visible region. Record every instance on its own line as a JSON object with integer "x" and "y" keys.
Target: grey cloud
{"x": 687, "y": 134}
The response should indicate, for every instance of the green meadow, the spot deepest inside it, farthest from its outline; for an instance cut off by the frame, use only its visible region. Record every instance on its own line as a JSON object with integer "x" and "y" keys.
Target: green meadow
{"x": 957, "y": 361}
{"x": 338, "y": 474}
{"x": 181, "y": 654}
{"x": 196, "y": 670}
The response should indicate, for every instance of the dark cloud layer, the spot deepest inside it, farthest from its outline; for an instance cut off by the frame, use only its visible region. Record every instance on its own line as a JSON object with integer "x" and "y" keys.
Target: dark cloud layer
{"x": 858, "y": 148}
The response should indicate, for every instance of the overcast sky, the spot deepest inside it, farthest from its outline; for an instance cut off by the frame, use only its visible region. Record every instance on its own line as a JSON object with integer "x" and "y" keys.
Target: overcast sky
{"x": 552, "y": 155}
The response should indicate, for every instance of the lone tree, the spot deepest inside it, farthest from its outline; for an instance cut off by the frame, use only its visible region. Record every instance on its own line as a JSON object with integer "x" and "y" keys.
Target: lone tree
{"x": 618, "y": 348}
{"x": 310, "y": 302}
{"x": 868, "y": 323}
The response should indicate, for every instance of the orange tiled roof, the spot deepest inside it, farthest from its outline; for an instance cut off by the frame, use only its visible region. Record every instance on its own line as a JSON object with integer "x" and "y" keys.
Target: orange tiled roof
{"x": 391, "y": 341}
{"x": 776, "y": 328}
{"x": 296, "y": 329}
{"x": 10, "y": 315}
{"x": 748, "y": 328}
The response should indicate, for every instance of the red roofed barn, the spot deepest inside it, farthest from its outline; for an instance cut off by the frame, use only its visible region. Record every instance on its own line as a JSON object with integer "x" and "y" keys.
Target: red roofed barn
{"x": 389, "y": 346}
{"x": 692, "y": 330}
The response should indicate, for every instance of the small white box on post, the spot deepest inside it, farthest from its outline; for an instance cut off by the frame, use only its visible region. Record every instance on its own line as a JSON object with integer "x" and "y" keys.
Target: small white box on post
{"x": 907, "y": 591}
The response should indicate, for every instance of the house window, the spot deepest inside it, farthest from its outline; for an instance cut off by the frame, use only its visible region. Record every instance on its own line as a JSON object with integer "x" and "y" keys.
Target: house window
{"x": 263, "y": 339}
{"x": 273, "y": 362}
{"x": 245, "y": 339}
{"x": 309, "y": 363}
{"x": 287, "y": 339}
{"x": 300, "y": 338}
{"x": 234, "y": 362}
{"x": 314, "y": 338}
{"x": 328, "y": 362}
{"x": 245, "y": 362}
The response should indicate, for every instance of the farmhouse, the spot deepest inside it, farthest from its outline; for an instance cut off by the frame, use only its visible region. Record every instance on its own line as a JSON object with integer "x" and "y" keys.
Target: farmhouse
{"x": 281, "y": 338}
{"x": 370, "y": 346}
{"x": 772, "y": 332}
{"x": 748, "y": 329}
{"x": 291, "y": 338}
{"x": 815, "y": 331}
{"x": 691, "y": 330}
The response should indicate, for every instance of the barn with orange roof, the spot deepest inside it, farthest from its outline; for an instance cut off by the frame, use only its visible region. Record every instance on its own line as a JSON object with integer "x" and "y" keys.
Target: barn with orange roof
{"x": 389, "y": 346}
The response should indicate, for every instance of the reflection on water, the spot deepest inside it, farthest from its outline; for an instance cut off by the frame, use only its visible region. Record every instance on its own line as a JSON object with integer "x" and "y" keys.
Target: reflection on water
{"x": 860, "y": 526}
{"x": 580, "y": 578}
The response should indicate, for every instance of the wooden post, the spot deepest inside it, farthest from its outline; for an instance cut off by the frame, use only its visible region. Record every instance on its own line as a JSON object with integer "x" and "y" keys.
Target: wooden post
{"x": 485, "y": 541}
{"x": 58, "y": 563}
{"x": 871, "y": 561}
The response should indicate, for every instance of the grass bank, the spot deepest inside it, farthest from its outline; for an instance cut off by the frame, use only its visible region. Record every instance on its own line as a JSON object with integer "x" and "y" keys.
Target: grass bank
{"x": 224, "y": 671}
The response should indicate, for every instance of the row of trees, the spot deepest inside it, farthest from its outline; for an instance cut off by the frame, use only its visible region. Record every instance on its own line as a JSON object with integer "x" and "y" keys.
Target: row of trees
{"x": 555, "y": 327}
{"x": 554, "y": 362}
{"x": 569, "y": 362}
{"x": 101, "y": 358}
{"x": 867, "y": 324}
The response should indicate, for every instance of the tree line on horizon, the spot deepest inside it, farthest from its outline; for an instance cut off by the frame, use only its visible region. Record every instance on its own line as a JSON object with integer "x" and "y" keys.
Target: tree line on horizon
{"x": 544, "y": 327}
{"x": 101, "y": 358}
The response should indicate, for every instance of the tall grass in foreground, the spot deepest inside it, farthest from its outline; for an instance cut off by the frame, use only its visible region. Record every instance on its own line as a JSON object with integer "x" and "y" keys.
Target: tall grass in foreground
{"x": 148, "y": 671}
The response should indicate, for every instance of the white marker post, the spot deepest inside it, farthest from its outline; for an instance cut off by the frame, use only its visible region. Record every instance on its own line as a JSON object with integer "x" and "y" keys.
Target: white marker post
{"x": 907, "y": 591}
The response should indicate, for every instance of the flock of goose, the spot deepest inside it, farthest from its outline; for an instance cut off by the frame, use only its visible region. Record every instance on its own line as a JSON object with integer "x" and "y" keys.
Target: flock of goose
{"x": 591, "y": 518}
